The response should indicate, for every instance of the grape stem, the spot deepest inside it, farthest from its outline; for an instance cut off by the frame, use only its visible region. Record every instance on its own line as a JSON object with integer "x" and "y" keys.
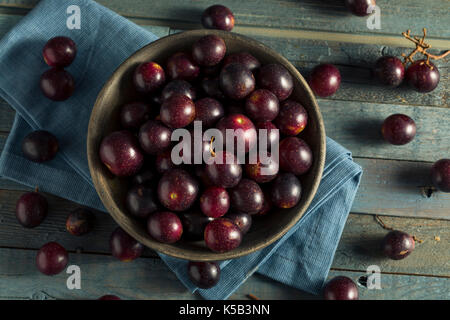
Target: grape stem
{"x": 422, "y": 47}
{"x": 381, "y": 223}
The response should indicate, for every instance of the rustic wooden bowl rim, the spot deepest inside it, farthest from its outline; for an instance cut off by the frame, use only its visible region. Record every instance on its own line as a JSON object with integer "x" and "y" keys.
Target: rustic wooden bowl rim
{"x": 172, "y": 250}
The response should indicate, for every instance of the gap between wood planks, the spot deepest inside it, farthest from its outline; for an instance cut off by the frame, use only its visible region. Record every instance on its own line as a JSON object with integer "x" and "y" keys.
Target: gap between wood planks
{"x": 378, "y": 39}
{"x": 331, "y": 269}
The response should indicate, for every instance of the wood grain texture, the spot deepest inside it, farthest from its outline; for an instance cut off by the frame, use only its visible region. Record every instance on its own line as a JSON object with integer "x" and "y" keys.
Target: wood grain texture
{"x": 21, "y": 280}
{"x": 326, "y": 15}
{"x": 357, "y": 249}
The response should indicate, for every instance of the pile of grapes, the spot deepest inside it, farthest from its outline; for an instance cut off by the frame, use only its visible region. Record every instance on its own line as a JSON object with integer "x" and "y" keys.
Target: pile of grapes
{"x": 210, "y": 202}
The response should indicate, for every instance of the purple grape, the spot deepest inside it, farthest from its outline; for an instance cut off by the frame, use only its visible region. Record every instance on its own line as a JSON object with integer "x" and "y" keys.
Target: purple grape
{"x": 421, "y": 77}
{"x": 245, "y": 58}
{"x": 292, "y": 118}
{"x": 398, "y": 129}
{"x": 57, "y": 84}
{"x": 390, "y": 71}
{"x": 295, "y": 155}
{"x": 325, "y": 80}
{"x": 31, "y": 209}
{"x": 51, "y": 258}
{"x": 204, "y": 275}
{"x": 440, "y": 175}
{"x": 242, "y": 220}
{"x": 163, "y": 162}
{"x": 398, "y": 245}
{"x": 165, "y": 227}
{"x": 247, "y": 197}
{"x": 149, "y": 77}
{"x": 218, "y": 17}
{"x": 208, "y": 111}
{"x": 247, "y": 133}
{"x": 59, "y": 52}
{"x": 40, "y": 146}
{"x": 215, "y": 202}
{"x": 194, "y": 223}
{"x": 222, "y": 235}
{"x": 145, "y": 177}
{"x": 181, "y": 66}
{"x": 341, "y": 288}
{"x": 123, "y": 246}
{"x": 80, "y": 222}
{"x": 211, "y": 87}
{"x": 236, "y": 81}
{"x": 177, "y": 190}
{"x": 286, "y": 191}
{"x": 177, "y": 111}
{"x": 273, "y": 134}
{"x": 141, "y": 201}
{"x": 154, "y": 137}
{"x": 226, "y": 174}
{"x": 277, "y": 79}
{"x": 209, "y": 50}
{"x": 262, "y": 105}
{"x": 178, "y": 88}
{"x": 133, "y": 115}
{"x": 360, "y": 7}
{"x": 253, "y": 171}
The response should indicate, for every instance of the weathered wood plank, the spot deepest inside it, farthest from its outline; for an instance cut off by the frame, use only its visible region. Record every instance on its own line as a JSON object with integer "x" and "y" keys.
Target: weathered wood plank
{"x": 359, "y": 240}
{"x": 148, "y": 278}
{"x": 326, "y": 15}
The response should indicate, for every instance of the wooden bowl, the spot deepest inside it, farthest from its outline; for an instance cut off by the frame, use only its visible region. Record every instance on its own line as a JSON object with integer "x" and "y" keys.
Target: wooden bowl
{"x": 119, "y": 90}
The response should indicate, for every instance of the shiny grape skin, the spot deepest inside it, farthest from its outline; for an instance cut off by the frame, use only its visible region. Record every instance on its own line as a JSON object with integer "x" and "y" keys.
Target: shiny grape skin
{"x": 31, "y": 209}
{"x": 133, "y": 115}
{"x": 177, "y": 111}
{"x": 181, "y": 66}
{"x": 194, "y": 223}
{"x": 163, "y": 162}
{"x": 325, "y": 80}
{"x": 245, "y": 58}
{"x": 277, "y": 79}
{"x": 242, "y": 220}
{"x": 247, "y": 197}
{"x": 51, "y": 258}
{"x": 209, "y": 50}
{"x": 204, "y": 275}
{"x": 236, "y": 81}
{"x": 421, "y": 77}
{"x": 165, "y": 227}
{"x": 292, "y": 118}
{"x": 141, "y": 201}
{"x": 120, "y": 153}
{"x": 57, "y": 84}
{"x": 215, "y": 202}
{"x": 226, "y": 175}
{"x": 253, "y": 171}
{"x": 239, "y": 122}
{"x": 177, "y": 190}
{"x": 222, "y": 235}
{"x": 359, "y": 7}
{"x": 123, "y": 246}
{"x": 295, "y": 156}
{"x": 389, "y": 71}
{"x": 209, "y": 111}
{"x": 262, "y": 105}
{"x": 218, "y": 17}
{"x": 286, "y": 191}
{"x": 440, "y": 175}
{"x": 273, "y": 133}
{"x": 397, "y": 245}
{"x": 398, "y": 129}
{"x": 211, "y": 87}
{"x": 341, "y": 288}
{"x": 59, "y": 52}
{"x": 40, "y": 146}
{"x": 154, "y": 137}
{"x": 148, "y": 77}
{"x": 178, "y": 88}
{"x": 80, "y": 222}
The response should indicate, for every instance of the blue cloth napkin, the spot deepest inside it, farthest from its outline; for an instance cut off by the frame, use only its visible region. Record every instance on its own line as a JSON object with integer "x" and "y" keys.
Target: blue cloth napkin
{"x": 301, "y": 259}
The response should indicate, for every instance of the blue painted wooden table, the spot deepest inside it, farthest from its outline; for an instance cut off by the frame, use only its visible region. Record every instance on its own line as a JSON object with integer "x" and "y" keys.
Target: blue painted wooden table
{"x": 395, "y": 182}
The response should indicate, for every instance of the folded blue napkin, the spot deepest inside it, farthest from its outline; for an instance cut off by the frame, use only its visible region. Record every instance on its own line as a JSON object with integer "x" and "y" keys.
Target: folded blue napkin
{"x": 301, "y": 259}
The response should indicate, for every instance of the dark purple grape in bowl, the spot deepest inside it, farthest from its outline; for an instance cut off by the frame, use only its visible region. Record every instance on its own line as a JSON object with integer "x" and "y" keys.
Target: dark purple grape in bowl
{"x": 247, "y": 197}
{"x": 123, "y": 246}
{"x": 163, "y": 162}
{"x": 154, "y": 137}
{"x": 440, "y": 175}
{"x": 120, "y": 153}
{"x": 145, "y": 177}
{"x": 325, "y": 80}
{"x": 209, "y": 50}
{"x": 181, "y": 66}
{"x": 59, "y": 52}
{"x": 242, "y": 220}
{"x": 51, "y": 258}
{"x": 389, "y": 71}
{"x": 177, "y": 190}
{"x": 165, "y": 227}
{"x": 360, "y": 7}
{"x": 226, "y": 174}
{"x": 397, "y": 245}
{"x": 340, "y": 288}
{"x": 267, "y": 205}
{"x": 262, "y": 171}
{"x": 244, "y": 131}
{"x": 218, "y": 17}
{"x": 209, "y": 111}
{"x": 194, "y": 223}
{"x": 277, "y": 79}
{"x": 211, "y": 87}
{"x": 80, "y": 222}
{"x": 236, "y": 81}
{"x": 398, "y": 129}
{"x": 292, "y": 118}
{"x": 204, "y": 275}
{"x": 295, "y": 155}
{"x": 286, "y": 191}
{"x": 133, "y": 115}
{"x": 222, "y": 235}
{"x": 177, "y": 111}
{"x": 245, "y": 58}
{"x": 262, "y": 105}
{"x": 215, "y": 202}
{"x": 57, "y": 84}
{"x": 40, "y": 146}
{"x": 272, "y": 133}
{"x": 149, "y": 77}
{"x": 178, "y": 88}
{"x": 422, "y": 77}
{"x": 141, "y": 201}
{"x": 31, "y": 209}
